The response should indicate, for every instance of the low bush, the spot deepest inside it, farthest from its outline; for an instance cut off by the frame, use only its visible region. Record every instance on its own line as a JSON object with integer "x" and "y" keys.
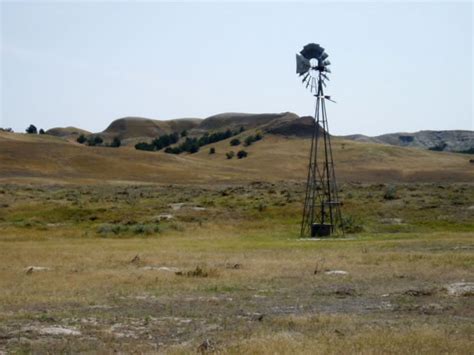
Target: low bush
{"x": 390, "y": 193}
{"x": 234, "y": 142}
{"x": 350, "y": 225}
{"x": 242, "y": 154}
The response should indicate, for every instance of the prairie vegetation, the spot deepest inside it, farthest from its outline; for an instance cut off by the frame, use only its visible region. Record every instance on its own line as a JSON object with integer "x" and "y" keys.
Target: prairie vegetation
{"x": 178, "y": 268}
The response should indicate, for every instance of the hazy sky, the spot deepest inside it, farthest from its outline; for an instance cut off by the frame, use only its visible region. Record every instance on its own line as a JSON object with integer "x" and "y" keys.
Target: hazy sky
{"x": 396, "y": 66}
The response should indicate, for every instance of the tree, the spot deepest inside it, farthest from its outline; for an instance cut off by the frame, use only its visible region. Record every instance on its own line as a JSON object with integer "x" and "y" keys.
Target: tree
{"x": 165, "y": 140}
{"x": 235, "y": 142}
{"x": 174, "y": 137}
{"x": 242, "y": 154}
{"x": 194, "y": 149}
{"x": 94, "y": 140}
{"x": 241, "y": 129}
{"x": 229, "y": 155}
{"x": 248, "y": 141}
{"x": 144, "y": 146}
{"x": 81, "y": 139}
{"x": 32, "y": 129}
{"x": 184, "y": 133}
{"x": 42, "y": 131}
{"x": 116, "y": 142}
{"x": 212, "y": 150}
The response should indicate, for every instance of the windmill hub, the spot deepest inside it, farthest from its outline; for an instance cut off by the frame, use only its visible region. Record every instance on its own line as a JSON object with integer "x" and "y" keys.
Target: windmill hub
{"x": 321, "y": 215}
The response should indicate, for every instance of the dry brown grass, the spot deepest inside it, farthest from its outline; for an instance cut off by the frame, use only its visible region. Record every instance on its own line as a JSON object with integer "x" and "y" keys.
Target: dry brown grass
{"x": 391, "y": 301}
{"x": 28, "y": 158}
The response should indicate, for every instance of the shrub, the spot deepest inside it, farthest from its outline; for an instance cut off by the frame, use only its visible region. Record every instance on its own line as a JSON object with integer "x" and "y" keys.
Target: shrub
{"x": 116, "y": 142}
{"x": 173, "y": 150}
{"x": 242, "y": 154}
{"x": 145, "y": 229}
{"x": 42, "y": 131}
{"x": 184, "y": 133}
{"x": 198, "y": 272}
{"x": 235, "y": 142}
{"x": 105, "y": 229}
{"x": 229, "y": 155}
{"x": 31, "y": 129}
{"x": 81, "y": 139}
{"x": 350, "y": 225}
{"x": 212, "y": 150}
{"x": 390, "y": 193}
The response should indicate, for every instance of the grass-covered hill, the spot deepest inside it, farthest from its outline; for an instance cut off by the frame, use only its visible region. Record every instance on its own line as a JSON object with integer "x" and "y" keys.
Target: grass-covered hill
{"x": 276, "y": 157}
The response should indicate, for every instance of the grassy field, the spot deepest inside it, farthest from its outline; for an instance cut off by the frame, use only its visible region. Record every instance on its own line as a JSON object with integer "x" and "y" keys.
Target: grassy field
{"x": 187, "y": 268}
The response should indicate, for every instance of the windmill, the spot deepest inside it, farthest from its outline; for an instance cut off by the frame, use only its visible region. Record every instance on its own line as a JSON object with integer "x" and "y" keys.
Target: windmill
{"x": 321, "y": 214}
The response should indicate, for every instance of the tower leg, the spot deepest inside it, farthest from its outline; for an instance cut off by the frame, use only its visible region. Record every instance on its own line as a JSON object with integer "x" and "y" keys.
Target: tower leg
{"x": 321, "y": 214}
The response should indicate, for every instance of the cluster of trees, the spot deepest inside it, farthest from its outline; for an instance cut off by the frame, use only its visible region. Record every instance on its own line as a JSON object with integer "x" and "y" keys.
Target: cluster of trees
{"x": 240, "y": 154}
{"x": 251, "y": 139}
{"x": 159, "y": 143}
{"x": 217, "y": 136}
{"x": 33, "y": 130}
{"x": 190, "y": 145}
{"x": 94, "y": 140}
{"x": 248, "y": 140}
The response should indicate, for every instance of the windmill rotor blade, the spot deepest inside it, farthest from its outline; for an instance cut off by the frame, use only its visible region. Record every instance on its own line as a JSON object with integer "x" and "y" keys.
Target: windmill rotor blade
{"x": 309, "y": 71}
{"x": 302, "y": 65}
{"x": 312, "y": 50}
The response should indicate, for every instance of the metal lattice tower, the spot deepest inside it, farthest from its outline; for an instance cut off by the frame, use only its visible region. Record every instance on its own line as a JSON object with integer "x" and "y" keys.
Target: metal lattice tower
{"x": 321, "y": 214}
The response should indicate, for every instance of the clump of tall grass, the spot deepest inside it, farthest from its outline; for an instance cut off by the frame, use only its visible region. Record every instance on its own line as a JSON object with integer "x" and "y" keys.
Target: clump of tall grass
{"x": 391, "y": 193}
{"x": 108, "y": 229}
{"x": 350, "y": 224}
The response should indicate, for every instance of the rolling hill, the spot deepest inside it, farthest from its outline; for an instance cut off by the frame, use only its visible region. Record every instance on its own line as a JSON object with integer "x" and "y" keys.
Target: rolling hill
{"x": 49, "y": 159}
{"x": 133, "y": 127}
{"x": 69, "y": 132}
{"x": 450, "y": 141}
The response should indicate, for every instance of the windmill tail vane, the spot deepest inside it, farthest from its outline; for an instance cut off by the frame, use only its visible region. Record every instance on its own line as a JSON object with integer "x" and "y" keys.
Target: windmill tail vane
{"x": 321, "y": 214}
